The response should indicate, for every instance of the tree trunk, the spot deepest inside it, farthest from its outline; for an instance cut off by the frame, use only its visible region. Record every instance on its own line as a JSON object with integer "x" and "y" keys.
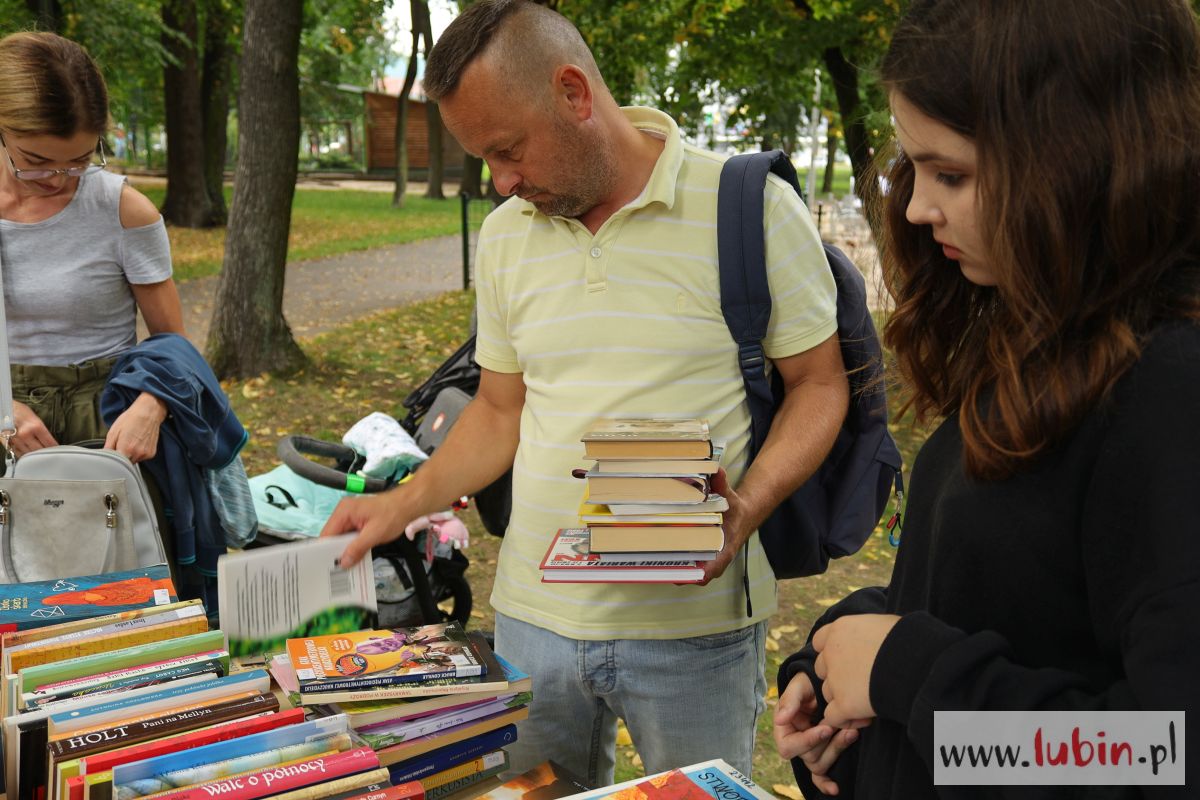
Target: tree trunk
{"x": 831, "y": 148}
{"x": 187, "y": 203}
{"x": 410, "y": 78}
{"x": 214, "y": 93}
{"x": 433, "y": 120}
{"x": 249, "y": 335}
{"x": 472, "y": 176}
{"x": 48, "y": 13}
{"x": 854, "y": 127}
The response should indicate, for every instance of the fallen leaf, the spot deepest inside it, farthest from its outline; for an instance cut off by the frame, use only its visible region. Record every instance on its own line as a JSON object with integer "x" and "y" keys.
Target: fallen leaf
{"x": 826, "y": 602}
{"x": 790, "y": 792}
{"x": 636, "y": 760}
{"x": 623, "y": 737}
{"x": 772, "y": 646}
{"x": 772, "y": 692}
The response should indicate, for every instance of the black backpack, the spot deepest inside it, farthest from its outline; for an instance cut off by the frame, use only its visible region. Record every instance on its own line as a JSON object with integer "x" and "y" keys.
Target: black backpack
{"x": 834, "y": 512}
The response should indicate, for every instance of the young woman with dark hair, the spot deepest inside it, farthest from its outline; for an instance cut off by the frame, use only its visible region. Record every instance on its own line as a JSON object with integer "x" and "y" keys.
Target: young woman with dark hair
{"x": 1043, "y": 251}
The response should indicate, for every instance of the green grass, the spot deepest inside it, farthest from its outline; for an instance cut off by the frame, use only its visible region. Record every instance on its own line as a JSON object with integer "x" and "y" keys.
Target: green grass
{"x": 325, "y": 222}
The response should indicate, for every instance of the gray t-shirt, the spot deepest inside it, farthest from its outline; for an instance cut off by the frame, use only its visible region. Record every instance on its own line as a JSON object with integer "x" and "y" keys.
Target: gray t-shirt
{"x": 66, "y": 278}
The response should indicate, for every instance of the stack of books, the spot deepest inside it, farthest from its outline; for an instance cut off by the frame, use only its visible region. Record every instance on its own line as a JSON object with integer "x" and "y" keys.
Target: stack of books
{"x": 434, "y": 703}
{"x": 648, "y": 515}
{"x": 134, "y": 696}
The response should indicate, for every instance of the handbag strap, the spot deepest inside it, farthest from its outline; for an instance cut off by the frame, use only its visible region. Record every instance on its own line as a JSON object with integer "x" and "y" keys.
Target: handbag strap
{"x": 8, "y": 426}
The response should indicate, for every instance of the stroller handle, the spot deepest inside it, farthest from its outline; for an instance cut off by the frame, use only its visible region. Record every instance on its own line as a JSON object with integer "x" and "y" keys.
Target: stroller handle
{"x": 294, "y": 449}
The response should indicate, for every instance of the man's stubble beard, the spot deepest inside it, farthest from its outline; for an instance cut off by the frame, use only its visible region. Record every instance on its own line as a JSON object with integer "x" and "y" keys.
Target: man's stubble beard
{"x": 589, "y": 183}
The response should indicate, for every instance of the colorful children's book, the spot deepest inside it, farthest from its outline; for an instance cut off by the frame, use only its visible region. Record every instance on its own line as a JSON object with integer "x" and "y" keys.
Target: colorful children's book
{"x": 546, "y": 781}
{"x": 708, "y": 780}
{"x": 272, "y": 594}
{"x": 35, "y": 605}
{"x": 570, "y": 560}
{"x": 383, "y": 657}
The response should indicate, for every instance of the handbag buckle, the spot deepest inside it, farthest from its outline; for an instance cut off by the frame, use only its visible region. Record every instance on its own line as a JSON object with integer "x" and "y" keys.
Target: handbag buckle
{"x": 5, "y": 502}
{"x": 110, "y": 515}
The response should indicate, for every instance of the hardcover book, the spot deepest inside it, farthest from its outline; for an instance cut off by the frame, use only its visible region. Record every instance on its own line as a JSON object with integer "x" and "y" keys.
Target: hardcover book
{"x": 406, "y": 750}
{"x": 280, "y": 779}
{"x": 452, "y": 753}
{"x": 372, "y": 658}
{"x": 674, "y": 489}
{"x": 655, "y": 538}
{"x": 648, "y": 439}
{"x": 570, "y": 560}
{"x": 337, "y": 787}
{"x": 712, "y": 503}
{"x": 269, "y": 595}
{"x": 37, "y": 604}
{"x": 708, "y": 780}
{"x": 595, "y": 514}
{"x": 373, "y": 712}
{"x": 386, "y": 734}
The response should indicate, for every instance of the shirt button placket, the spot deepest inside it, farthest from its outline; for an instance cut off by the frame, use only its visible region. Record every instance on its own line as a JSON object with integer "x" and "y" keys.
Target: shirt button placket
{"x": 595, "y": 270}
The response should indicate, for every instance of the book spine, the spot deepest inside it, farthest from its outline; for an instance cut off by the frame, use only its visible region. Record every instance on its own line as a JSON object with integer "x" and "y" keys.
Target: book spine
{"x": 44, "y": 654}
{"x": 119, "y": 659}
{"x": 462, "y": 783}
{"x": 211, "y": 669}
{"x": 370, "y": 788}
{"x": 102, "y": 626}
{"x": 383, "y": 737}
{"x": 90, "y": 742}
{"x": 255, "y": 680}
{"x": 412, "y": 790}
{"x": 75, "y": 788}
{"x": 336, "y": 787}
{"x": 141, "y": 669}
{"x": 187, "y": 741}
{"x": 398, "y": 692}
{"x": 344, "y": 684}
{"x": 445, "y": 757}
{"x": 277, "y": 780}
{"x": 484, "y": 762}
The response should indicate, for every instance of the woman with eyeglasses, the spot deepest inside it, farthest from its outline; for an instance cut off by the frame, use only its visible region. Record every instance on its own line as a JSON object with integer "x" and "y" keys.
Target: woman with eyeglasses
{"x": 81, "y": 252}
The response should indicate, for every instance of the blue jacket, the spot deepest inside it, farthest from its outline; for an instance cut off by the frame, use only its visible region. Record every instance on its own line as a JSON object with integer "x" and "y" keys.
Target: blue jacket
{"x": 201, "y": 432}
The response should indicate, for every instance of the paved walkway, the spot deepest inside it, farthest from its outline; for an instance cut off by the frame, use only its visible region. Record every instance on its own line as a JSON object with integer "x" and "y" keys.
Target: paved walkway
{"x": 324, "y": 293}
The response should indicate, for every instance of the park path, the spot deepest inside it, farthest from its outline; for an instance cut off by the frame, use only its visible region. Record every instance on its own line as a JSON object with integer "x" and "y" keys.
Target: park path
{"x": 323, "y": 293}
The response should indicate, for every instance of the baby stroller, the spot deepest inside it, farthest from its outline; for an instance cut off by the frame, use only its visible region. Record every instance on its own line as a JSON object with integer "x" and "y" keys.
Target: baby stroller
{"x": 412, "y": 577}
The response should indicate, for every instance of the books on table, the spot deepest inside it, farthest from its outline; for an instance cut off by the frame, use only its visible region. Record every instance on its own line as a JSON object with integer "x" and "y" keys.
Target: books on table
{"x": 569, "y": 560}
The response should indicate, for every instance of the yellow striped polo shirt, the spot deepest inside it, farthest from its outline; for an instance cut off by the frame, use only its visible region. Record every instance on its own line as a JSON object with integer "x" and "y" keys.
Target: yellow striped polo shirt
{"x": 628, "y": 323}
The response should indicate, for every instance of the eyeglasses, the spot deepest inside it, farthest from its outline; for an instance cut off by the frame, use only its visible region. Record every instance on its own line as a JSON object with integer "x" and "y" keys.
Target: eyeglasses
{"x": 42, "y": 174}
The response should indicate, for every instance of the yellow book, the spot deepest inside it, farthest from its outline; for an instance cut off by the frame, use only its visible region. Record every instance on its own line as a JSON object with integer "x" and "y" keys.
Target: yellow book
{"x": 58, "y": 651}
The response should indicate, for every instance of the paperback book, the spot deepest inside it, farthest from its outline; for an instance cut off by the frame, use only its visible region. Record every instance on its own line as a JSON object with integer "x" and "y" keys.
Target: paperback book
{"x": 272, "y": 594}
{"x": 37, "y": 604}
{"x": 373, "y": 658}
{"x": 648, "y": 439}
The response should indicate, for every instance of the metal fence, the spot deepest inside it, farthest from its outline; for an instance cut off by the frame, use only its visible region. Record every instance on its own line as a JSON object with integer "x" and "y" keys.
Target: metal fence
{"x": 474, "y": 209}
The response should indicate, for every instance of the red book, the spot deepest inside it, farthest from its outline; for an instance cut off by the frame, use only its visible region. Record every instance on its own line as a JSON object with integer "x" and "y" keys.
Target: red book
{"x": 234, "y": 729}
{"x": 279, "y": 779}
{"x": 75, "y": 788}
{"x": 411, "y": 790}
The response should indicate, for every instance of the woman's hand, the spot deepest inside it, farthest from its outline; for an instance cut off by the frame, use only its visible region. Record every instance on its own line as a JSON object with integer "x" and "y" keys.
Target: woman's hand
{"x": 817, "y": 744}
{"x": 32, "y": 433}
{"x": 846, "y": 650}
{"x": 135, "y": 432}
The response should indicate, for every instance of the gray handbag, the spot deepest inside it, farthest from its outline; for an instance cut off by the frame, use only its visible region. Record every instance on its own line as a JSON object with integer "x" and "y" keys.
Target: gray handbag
{"x": 66, "y": 510}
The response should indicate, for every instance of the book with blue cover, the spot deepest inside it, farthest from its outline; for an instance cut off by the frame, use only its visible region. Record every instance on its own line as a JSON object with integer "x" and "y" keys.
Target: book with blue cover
{"x": 221, "y": 751}
{"x": 452, "y": 755}
{"x": 40, "y": 603}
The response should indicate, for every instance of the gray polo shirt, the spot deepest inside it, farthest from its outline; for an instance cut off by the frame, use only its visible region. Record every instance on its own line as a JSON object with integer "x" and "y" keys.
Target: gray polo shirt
{"x": 67, "y": 278}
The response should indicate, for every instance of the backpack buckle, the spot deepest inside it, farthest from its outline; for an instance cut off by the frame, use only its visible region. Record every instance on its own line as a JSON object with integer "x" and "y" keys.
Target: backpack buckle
{"x": 751, "y": 357}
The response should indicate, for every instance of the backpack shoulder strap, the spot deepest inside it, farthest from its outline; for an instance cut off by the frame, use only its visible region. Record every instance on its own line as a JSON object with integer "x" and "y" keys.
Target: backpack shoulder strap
{"x": 741, "y": 255}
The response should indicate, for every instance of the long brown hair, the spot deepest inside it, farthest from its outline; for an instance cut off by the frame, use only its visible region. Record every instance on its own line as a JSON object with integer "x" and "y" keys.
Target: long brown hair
{"x": 50, "y": 86}
{"x": 1084, "y": 115}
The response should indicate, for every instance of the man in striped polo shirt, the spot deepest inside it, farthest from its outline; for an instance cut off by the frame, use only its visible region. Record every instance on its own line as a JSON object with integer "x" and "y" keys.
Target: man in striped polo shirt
{"x": 598, "y": 296}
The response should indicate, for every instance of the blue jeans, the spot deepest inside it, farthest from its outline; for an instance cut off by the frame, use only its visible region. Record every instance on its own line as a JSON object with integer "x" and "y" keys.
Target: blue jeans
{"x": 683, "y": 700}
